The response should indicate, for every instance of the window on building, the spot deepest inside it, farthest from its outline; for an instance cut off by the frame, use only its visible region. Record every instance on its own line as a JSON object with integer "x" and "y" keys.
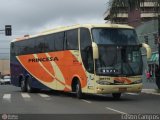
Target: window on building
{"x": 146, "y": 39}
{"x": 155, "y": 38}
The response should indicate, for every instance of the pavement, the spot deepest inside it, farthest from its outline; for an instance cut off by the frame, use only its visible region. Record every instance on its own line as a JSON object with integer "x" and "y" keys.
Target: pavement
{"x": 49, "y": 103}
{"x": 150, "y": 87}
{"x": 12, "y": 100}
{"x": 151, "y": 91}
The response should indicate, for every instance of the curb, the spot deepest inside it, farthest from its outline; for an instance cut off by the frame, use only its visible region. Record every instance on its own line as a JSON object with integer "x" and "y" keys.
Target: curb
{"x": 151, "y": 91}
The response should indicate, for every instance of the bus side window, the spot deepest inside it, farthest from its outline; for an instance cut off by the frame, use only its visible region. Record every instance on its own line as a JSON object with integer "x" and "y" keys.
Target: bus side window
{"x": 86, "y": 49}
{"x": 49, "y": 43}
{"x": 20, "y": 48}
{"x": 72, "y": 39}
{"x": 12, "y": 49}
{"x": 16, "y": 48}
{"x": 12, "y": 46}
{"x": 30, "y": 44}
{"x": 39, "y": 45}
{"x": 59, "y": 41}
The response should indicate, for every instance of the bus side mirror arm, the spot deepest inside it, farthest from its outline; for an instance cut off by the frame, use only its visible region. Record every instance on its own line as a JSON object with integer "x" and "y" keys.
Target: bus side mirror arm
{"x": 95, "y": 50}
{"x": 148, "y": 50}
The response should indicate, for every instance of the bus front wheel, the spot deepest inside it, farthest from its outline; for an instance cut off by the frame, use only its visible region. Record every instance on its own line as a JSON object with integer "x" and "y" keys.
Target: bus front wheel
{"x": 116, "y": 96}
{"x": 78, "y": 90}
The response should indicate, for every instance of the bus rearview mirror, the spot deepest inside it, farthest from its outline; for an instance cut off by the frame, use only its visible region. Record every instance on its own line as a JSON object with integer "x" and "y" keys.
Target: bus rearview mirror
{"x": 95, "y": 50}
{"x": 148, "y": 50}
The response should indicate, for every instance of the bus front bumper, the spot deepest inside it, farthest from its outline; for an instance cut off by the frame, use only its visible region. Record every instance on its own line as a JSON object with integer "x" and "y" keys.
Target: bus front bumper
{"x": 107, "y": 89}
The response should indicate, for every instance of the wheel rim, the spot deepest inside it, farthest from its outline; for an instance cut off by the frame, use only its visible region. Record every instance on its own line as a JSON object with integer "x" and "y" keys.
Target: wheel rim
{"x": 77, "y": 88}
{"x": 28, "y": 86}
{"x": 78, "y": 91}
{"x": 22, "y": 84}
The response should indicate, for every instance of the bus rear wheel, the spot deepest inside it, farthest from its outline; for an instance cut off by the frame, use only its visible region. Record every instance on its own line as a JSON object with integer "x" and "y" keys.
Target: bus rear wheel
{"x": 28, "y": 85}
{"x": 23, "y": 86}
{"x": 116, "y": 96}
{"x": 78, "y": 90}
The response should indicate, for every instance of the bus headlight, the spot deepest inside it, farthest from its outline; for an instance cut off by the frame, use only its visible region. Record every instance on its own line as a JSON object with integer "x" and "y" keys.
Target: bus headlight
{"x": 103, "y": 82}
{"x": 137, "y": 82}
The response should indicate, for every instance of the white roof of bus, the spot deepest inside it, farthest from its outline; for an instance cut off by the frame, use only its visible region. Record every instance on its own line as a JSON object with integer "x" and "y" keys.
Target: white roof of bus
{"x": 60, "y": 29}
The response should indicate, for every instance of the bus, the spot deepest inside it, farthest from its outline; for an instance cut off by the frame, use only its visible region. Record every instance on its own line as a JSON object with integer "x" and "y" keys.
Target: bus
{"x": 87, "y": 58}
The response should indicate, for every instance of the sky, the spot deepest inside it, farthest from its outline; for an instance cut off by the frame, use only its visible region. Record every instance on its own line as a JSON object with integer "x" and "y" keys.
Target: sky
{"x": 34, "y": 16}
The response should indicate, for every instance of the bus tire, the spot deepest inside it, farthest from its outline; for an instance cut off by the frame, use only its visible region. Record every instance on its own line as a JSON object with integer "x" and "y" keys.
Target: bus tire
{"x": 79, "y": 93}
{"x": 28, "y": 85}
{"x": 23, "y": 85}
{"x": 116, "y": 96}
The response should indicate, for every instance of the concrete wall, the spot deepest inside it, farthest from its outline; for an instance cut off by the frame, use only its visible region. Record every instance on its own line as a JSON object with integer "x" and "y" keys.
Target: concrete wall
{"x": 4, "y": 66}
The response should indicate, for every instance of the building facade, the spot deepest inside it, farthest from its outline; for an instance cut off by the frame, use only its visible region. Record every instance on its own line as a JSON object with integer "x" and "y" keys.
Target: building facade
{"x": 144, "y": 19}
{"x": 148, "y": 33}
{"x": 146, "y": 12}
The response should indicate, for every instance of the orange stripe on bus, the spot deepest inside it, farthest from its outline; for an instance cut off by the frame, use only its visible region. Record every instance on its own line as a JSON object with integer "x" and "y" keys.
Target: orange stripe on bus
{"x": 46, "y": 64}
{"x": 70, "y": 66}
{"x": 34, "y": 68}
{"x": 67, "y": 63}
{"x": 123, "y": 80}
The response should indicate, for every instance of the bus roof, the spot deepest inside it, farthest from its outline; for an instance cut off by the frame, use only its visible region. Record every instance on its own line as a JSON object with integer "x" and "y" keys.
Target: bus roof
{"x": 65, "y": 28}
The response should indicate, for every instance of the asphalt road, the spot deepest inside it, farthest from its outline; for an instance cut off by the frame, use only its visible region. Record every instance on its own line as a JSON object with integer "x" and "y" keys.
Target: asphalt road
{"x": 13, "y": 101}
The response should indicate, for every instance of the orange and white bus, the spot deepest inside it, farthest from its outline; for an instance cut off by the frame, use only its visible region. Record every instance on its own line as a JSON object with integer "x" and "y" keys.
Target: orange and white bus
{"x": 90, "y": 58}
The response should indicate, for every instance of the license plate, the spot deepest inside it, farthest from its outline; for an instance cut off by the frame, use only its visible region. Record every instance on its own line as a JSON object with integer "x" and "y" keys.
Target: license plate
{"x": 122, "y": 89}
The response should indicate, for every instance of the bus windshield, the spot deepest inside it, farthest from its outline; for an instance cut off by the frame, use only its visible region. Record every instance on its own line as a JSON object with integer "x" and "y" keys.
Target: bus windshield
{"x": 114, "y": 36}
{"x": 119, "y": 52}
